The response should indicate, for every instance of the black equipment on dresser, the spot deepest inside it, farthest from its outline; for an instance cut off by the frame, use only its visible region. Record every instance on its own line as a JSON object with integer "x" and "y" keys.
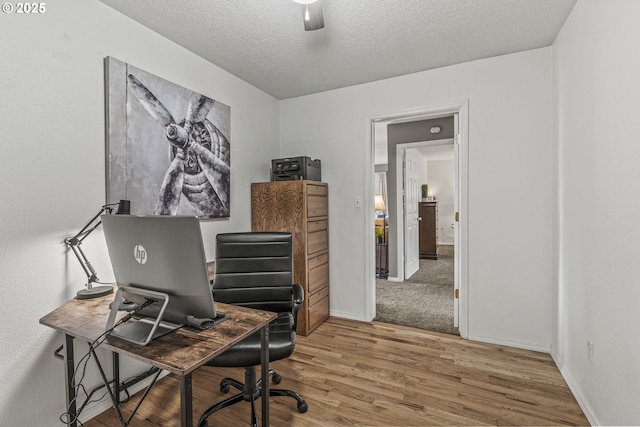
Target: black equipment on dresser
{"x": 295, "y": 168}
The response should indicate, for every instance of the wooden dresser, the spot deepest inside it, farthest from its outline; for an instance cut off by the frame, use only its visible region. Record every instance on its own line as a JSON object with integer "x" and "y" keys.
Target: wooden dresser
{"x": 428, "y": 230}
{"x": 301, "y": 208}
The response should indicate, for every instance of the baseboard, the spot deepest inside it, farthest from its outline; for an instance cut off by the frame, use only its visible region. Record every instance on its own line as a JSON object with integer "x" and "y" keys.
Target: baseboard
{"x": 94, "y": 409}
{"x": 577, "y": 393}
{"x": 510, "y": 343}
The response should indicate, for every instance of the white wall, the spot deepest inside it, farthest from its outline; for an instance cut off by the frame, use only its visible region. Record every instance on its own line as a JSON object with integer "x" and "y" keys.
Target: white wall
{"x": 597, "y": 79}
{"x": 441, "y": 174}
{"x": 53, "y": 176}
{"x": 423, "y": 176}
{"x": 510, "y": 184}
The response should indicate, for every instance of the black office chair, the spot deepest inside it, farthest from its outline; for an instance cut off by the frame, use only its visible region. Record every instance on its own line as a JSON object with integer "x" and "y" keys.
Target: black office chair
{"x": 256, "y": 270}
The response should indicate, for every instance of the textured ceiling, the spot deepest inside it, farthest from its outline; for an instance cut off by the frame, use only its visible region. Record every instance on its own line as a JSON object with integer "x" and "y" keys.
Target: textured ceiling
{"x": 264, "y": 43}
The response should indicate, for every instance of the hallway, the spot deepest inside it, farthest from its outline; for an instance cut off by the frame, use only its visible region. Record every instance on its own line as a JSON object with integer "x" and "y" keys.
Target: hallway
{"x": 425, "y": 300}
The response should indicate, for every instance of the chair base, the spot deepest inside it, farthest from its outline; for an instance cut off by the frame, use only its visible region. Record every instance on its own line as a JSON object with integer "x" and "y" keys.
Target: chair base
{"x": 250, "y": 392}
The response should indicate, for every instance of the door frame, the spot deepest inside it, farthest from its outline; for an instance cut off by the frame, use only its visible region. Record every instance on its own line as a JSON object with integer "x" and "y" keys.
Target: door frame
{"x": 457, "y": 107}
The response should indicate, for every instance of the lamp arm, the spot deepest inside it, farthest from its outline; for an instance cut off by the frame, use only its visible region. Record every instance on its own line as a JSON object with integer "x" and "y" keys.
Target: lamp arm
{"x": 82, "y": 234}
{"x": 92, "y": 276}
{"x": 75, "y": 242}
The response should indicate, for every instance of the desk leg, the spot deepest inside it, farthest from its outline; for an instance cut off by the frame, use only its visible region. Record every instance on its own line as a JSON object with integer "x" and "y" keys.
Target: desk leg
{"x": 186, "y": 401}
{"x": 69, "y": 366}
{"x": 105, "y": 380}
{"x": 264, "y": 347}
{"x": 115, "y": 361}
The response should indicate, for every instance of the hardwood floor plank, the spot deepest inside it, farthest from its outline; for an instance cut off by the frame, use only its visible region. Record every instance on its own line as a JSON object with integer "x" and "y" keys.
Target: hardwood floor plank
{"x": 355, "y": 374}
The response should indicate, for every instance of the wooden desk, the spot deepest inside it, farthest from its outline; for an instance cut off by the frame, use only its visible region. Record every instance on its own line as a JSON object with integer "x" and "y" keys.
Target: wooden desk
{"x": 180, "y": 352}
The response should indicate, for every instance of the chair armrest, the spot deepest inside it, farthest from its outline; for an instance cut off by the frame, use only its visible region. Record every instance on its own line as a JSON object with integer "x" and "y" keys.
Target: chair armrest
{"x": 297, "y": 299}
{"x": 298, "y": 295}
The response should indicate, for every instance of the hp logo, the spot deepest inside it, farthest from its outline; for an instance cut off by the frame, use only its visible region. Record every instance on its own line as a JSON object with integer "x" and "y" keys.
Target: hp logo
{"x": 140, "y": 254}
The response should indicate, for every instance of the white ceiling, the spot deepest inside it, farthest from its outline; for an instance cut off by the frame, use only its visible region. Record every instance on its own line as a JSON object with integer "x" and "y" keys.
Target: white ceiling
{"x": 432, "y": 153}
{"x": 264, "y": 43}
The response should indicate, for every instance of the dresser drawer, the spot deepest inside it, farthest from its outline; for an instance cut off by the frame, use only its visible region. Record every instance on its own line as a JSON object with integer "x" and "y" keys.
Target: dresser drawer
{"x": 318, "y": 307}
{"x": 317, "y": 241}
{"x": 318, "y": 277}
{"x": 317, "y": 190}
{"x": 316, "y": 225}
{"x": 317, "y": 206}
{"x": 317, "y": 261}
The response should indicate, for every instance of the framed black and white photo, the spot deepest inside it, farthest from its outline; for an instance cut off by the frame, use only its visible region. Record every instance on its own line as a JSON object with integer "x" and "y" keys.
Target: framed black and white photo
{"x": 168, "y": 148}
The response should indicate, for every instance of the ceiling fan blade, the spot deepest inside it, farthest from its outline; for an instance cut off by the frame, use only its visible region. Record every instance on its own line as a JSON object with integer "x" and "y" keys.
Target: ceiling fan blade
{"x": 150, "y": 103}
{"x": 313, "y": 12}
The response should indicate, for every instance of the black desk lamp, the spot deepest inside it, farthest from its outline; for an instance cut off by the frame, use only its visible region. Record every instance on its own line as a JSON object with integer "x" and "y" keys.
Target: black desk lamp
{"x": 124, "y": 208}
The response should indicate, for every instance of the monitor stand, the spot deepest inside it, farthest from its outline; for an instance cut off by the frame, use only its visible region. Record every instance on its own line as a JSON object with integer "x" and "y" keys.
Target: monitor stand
{"x": 140, "y": 331}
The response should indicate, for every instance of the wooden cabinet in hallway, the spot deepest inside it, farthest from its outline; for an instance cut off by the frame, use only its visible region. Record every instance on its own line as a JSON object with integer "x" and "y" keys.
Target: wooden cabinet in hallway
{"x": 428, "y": 230}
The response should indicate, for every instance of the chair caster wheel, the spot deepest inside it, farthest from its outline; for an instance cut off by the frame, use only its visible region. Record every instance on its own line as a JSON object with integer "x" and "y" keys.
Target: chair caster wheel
{"x": 302, "y": 407}
{"x": 275, "y": 378}
{"x": 224, "y": 388}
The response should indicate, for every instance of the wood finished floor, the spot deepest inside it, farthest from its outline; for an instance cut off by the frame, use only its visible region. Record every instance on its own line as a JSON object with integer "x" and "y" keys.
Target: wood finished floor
{"x": 360, "y": 374}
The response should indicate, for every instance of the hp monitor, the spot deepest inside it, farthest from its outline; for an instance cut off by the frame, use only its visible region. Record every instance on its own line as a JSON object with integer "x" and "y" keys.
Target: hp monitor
{"x": 159, "y": 259}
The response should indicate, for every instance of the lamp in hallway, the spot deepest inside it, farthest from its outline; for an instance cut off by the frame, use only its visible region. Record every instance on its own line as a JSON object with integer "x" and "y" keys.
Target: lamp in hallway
{"x": 381, "y": 241}
{"x": 379, "y": 203}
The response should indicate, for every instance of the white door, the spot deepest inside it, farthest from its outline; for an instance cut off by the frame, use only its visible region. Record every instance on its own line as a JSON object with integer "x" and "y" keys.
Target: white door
{"x": 410, "y": 164}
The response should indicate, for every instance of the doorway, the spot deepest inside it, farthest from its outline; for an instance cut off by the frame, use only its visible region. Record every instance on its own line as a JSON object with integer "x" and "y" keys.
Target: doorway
{"x": 397, "y": 212}
{"x": 422, "y": 294}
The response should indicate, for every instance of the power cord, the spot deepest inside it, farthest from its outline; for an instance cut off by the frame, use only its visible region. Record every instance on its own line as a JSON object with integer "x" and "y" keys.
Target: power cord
{"x": 68, "y": 417}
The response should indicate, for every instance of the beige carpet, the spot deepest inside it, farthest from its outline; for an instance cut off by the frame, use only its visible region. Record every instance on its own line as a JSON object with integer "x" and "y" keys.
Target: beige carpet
{"x": 423, "y": 301}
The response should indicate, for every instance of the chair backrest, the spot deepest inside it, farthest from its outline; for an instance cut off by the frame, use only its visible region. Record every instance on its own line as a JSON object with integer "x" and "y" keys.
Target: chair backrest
{"x": 254, "y": 269}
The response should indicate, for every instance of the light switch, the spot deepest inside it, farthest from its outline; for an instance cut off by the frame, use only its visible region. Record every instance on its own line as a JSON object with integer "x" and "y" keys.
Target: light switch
{"x": 357, "y": 202}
